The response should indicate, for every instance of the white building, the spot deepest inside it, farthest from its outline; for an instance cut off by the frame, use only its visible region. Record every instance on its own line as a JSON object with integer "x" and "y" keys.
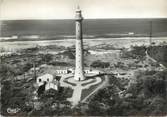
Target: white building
{"x": 62, "y": 71}
{"x": 90, "y": 71}
{"x": 87, "y": 71}
{"x": 51, "y": 81}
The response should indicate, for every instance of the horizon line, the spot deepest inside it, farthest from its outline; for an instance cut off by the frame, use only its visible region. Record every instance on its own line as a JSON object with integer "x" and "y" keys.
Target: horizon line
{"x": 84, "y": 18}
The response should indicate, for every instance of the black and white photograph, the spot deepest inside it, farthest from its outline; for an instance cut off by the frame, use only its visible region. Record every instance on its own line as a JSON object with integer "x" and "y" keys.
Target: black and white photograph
{"x": 83, "y": 58}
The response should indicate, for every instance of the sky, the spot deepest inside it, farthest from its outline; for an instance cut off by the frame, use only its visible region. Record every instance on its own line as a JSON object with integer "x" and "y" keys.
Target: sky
{"x": 65, "y": 9}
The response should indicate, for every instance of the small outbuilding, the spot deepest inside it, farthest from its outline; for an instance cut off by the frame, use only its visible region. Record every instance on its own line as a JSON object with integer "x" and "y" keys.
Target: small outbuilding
{"x": 52, "y": 82}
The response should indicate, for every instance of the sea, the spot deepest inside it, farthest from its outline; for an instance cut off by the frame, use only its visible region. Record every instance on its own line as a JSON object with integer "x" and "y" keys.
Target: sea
{"x": 97, "y": 31}
{"x": 99, "y": 27}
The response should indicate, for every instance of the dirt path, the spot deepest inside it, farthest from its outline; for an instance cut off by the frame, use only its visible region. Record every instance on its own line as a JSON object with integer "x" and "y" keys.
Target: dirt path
{"x": 152, "y": 59}
{"x": 104, "y": 84}
{"x": 76, "y": 97}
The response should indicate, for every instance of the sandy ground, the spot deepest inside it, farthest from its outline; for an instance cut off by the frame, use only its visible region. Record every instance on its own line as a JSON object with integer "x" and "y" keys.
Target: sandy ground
{"x": 117, "y": 42}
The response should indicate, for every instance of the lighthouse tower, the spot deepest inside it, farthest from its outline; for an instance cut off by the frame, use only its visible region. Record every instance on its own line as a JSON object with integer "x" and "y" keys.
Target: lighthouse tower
{"x": 79, "y": 69}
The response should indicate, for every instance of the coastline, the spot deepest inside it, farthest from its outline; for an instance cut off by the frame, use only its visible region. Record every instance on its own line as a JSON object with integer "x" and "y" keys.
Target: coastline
{"x": 85, "y": 38}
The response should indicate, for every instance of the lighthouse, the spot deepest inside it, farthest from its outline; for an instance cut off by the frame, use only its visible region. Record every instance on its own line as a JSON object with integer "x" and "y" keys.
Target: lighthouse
{"x": 79, "y": 68}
